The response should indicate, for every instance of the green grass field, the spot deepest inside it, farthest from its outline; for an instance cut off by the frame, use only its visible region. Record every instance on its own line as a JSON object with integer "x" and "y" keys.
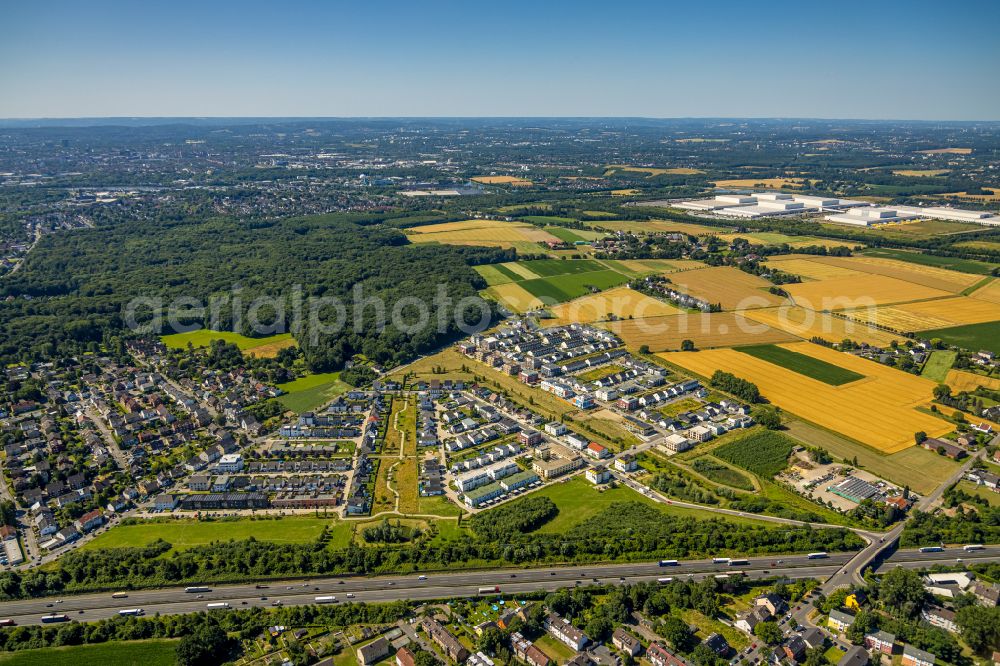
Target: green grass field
{"x": 159, "y": 652}
{"x": 564, "y": 234}
{"x": 951, "y": 263}
{"x": 552, "y": 267}
{"x": 938, "y": 365}
{"x": 547, "y": 219}
{"x": 802, "y": 364}
{"x": 202, "y": 337}
{"x": 184, "y": 534}
{"x": 578, "y": 501}
{"x": 974, "y": 337}
{"x": 560, "y": 288}
{"x": 312, "y": 391}
{"x": 495, "y": 274}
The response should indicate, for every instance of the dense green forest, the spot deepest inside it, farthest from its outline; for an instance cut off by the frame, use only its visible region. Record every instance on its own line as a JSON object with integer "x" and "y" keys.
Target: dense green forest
{"x": 71, "y": 292}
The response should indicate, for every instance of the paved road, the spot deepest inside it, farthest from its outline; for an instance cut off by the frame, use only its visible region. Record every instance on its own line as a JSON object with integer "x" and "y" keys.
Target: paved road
{"x": 92, "y": 607}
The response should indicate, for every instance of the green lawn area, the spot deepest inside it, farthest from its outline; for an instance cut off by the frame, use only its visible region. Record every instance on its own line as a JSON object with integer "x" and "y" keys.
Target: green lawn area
{"x": 938, "y": 365}
{"x": 916, "y": 467}
{"x": 707, "y": 625}
{"x": 202, "y": 337}
{"x": 438, "y": 506}
{"x": 992, "y": 497}
{"x": 578, "y": 501}
{"x": 159, "y": 652}
{"x": 594, "y": 374}
{"x": 833, "y": 654}
{"x": 566, "y": 287}
{"x": 974, "y": 337}
{"x": 951, "y": 263}
{"x": 312, "y": 391}
{"x": 552, "y": 267}
{"x": 186, "y": 533}
{"x": 802, "y": 364}
{"x": 558, "y": 651}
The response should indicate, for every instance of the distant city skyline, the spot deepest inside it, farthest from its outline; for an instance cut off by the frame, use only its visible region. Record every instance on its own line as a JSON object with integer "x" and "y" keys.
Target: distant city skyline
{"x": 874, "y": 60}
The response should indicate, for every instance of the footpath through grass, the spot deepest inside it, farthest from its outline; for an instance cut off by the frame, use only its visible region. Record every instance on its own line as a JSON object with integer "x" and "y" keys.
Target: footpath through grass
{"x": 802, "y": 364}
{"x": 159, "y": 652}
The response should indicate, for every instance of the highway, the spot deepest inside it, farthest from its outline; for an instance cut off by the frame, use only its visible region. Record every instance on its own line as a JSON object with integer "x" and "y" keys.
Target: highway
{"x": 90, "y": 607}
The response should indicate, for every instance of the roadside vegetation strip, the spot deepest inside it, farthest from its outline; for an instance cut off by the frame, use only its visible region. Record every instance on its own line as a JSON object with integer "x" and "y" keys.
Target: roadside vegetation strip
{"x": 975, "y": 337}
{"x": 804, "y": 365}
{"x": 887, "y": 396}
{"x": 938, "y": 364}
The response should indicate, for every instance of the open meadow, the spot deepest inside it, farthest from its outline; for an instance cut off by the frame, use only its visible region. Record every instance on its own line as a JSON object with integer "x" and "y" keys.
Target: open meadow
{"x": 267, "y": 347}
{"x": 311, "y": 391}
{"x": 879, "y": 410}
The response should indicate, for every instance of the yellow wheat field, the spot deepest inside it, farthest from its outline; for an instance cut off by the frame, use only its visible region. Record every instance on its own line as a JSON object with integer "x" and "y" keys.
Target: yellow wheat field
{"x": 928, "y": 276}
{"x": 989, "y": 293}
{"x": 920, "y": 173}
{"x": 776, "y": 183}
{"x": 706, "y": 330}
{"x": 728, "y": 286}
{"x": 481, "y": 232}
{"x": 514, "y": 297}
{"x": 947, "y": 151}
{"x": 925, "y": 315}
{"x": 520, "y": 269}
{"x": 808, "y": 324}
{"x": 813, "y": 270}
{"x": 624, "y": 193}
{"x": 620, "y": 302}
{"x": 503, "y": 180}
{"x": 652, "y": 171}
{"x": 879, "y": 411}
{"x": 849, "y": 293}
{"x": 464, "y": 225}
{"x": 960, "y": 380}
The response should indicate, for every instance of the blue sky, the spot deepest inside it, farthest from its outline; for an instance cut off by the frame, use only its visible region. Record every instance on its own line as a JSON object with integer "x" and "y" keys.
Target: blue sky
{"x": 844, "y": 59}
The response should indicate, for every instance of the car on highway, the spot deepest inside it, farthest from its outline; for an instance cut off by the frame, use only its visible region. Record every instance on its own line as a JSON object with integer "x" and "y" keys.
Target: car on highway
{"x": 278, "y": 603}
{"x": 200, "y": 596}
{"x": 350, "y": 595}
{"x": 263, "y": 598}
{"x": 421, "y": 577}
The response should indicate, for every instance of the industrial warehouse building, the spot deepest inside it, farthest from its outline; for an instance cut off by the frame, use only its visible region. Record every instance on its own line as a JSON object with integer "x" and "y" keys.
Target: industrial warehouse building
{"x": 844, "y": 211}
{"x": 768, "y": 204}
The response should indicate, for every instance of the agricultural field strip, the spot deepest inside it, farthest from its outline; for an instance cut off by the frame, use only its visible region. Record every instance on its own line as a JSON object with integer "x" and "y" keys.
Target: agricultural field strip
{"x": 807, "y": 324}
{"x": 880, "y": 410}
{"x": 706, "y": 330}
{"x": 801, "y": 363}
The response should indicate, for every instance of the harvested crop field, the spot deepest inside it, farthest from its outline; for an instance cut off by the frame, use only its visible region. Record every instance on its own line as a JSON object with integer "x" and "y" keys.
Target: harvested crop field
{"x": 923, "y": 315}
{"x": 924, "y": 275}
{"x": 621, "y": 302}
{"x": 848, "y": 293}
{"x": 960, "y": 380}
{"x": 886, "y": 397}
{"x": 706, "y": 330}
{"x": 774, "y": 238}
{"x": 502, "y": 180}
{"x": 808, "y": 269}
{"x": 990, "y": 292}
{"x": 803, "y": 364}
{"x": 652, "y": 171}
{"x": 920, "y": 173}
{"x": 947, "y": 151}
{"x": 514, "y": 297}
{"x": 808, "y": 324}
{"x": 728, "y": 286}
{"x": 491, "y": 233}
